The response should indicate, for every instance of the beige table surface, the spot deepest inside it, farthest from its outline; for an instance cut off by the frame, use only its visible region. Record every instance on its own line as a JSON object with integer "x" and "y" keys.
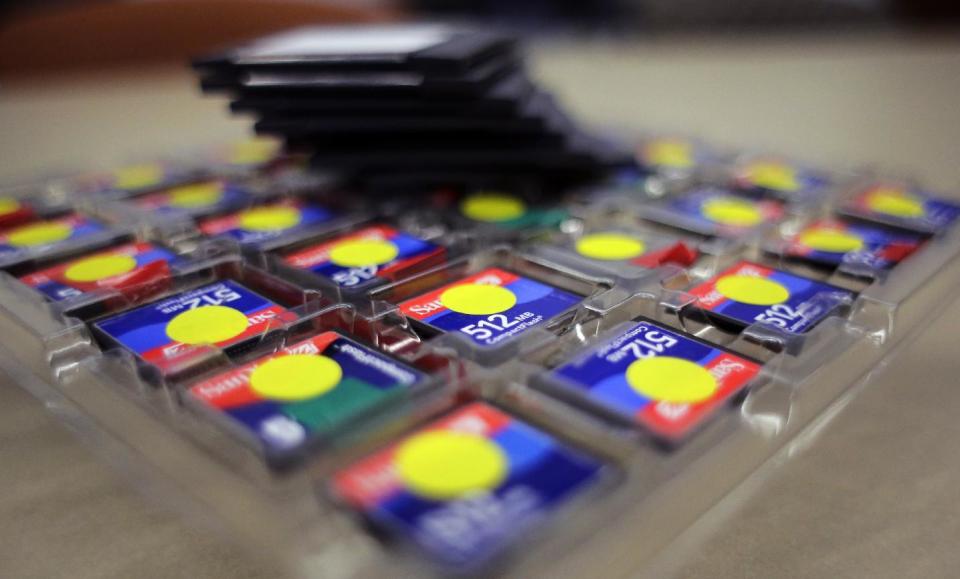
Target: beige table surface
{"x": 876, "y": 496}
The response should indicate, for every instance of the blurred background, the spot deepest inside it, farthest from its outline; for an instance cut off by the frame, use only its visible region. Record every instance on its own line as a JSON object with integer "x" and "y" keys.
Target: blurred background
{"x": 829, "y": 80}
{"x": 44, "y": 36}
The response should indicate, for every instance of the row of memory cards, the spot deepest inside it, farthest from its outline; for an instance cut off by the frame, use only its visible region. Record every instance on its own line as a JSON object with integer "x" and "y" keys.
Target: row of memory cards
{"x": 406, "y": 104}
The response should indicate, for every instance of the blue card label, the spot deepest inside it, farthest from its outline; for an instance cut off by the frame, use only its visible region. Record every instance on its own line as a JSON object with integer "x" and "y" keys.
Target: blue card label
{"x": 777, "y": 177}
{"x": 490, "y": 306}
{"x": 655, "y": 377}
{"x": 220, "y": 314}
{"x": 714, "y": 211}
{"x": 126, "y": 269}
{"x": 266, "y": 223}
{"x": 202, "y": 198}
{"x": 355, "y": 259}
{"x": 48, "y": 235}
{"x": 835, "y": 242}
{"x": 903, "y": 207}
{"x": 306, "y": 390}
{"x": 748, "y": 292}
{"x": 465, "y": 486}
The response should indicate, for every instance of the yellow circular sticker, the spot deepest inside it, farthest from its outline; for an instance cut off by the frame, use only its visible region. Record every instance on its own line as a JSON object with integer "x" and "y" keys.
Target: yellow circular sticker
{"x": 207, "y": 325}
{"x": 831, "y": 240}
{"x": 363, "y": 252}
{"x": 733, "y": 212}
{"x": 478, "y": 299}
{"x": 669, "y": 153}
{"x": 610, "y": 246}
{"x": 493, "y": 207}
{"x": 8, "y": 205}
{"x": 273, "y": 218}
{"x": 295, "y": 377}
{"x": 100, "y": 267}
{"x": 895, "y": 202}
{"x": 253, "y": 151}
{"x": 196, "y": 195}
{"x": 756, "y": 291}
{"x": 137, "y": 176}
{"x": 669, "y": 379}
{"x": 773, "y": 175}
{"x": 39, "y": 234}
{"x": 445, "y": 465}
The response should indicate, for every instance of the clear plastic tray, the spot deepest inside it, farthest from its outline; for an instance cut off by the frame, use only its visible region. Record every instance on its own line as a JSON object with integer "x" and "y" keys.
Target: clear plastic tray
{"x": 663, "y": 497}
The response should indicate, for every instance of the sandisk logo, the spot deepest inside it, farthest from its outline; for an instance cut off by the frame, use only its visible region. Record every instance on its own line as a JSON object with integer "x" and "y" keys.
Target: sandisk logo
{"x": 321, "y": 253}
{"x": 726, "y": 367}
{"x": 490, "y": 279}
{"x": 218, "y": 387}
{"x": 711, "y": 298}
{"x": 751, "y": 271}
{"x": 424, "y": 309}
{"x": 261, "y": 317}
{"x": 303, "y": 348}
{"x": 671, "y": 410}
{"x": 431, "y": 302}
{"x": 469, "y": 424}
